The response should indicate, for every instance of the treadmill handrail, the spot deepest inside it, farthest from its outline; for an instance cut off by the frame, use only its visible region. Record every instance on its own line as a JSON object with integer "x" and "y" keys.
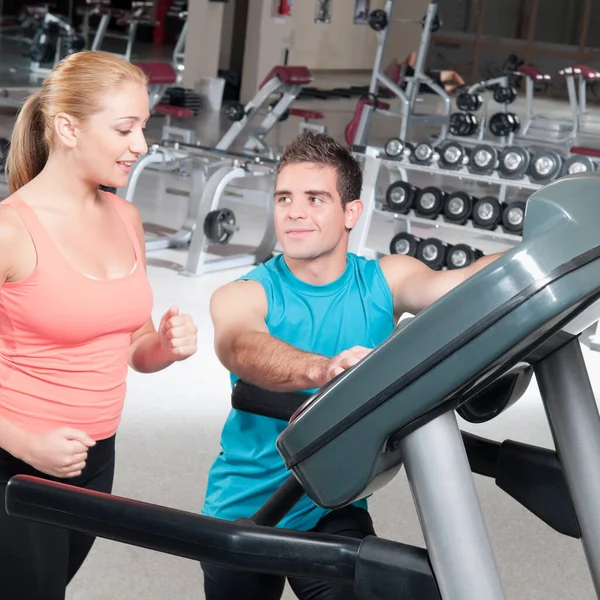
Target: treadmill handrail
{"x": 240, "y": 545}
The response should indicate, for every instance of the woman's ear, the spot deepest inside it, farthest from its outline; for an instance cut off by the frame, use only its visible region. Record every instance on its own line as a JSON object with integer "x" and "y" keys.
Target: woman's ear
{"x": 65, "y": 130}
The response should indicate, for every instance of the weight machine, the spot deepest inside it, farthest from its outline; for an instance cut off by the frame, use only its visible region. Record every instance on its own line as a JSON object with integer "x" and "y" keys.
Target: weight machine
{"x": 139, "y": 14}
{"x": 357, "y": 130}
{"x": 287, "y": 81}
{"x": 54, "y": 39}
{"x": 208, "y": 228}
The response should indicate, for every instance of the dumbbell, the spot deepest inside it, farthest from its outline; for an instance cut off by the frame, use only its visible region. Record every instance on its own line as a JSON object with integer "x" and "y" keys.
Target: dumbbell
{"x": 452, "y": 156}
{"x": 487, "y": 213}
{"x": 577, "y": 164}
{"x": 423, "y": 154}
{"x": 545, "y": 166}
{"x": 514, "y": 162}
{"x": 429, "y": 202}
{"x": 463, "y": 124}
{"x": 378, "y": 20}
{"x": 219, "y": 225}
{"x": 400, "y": 197}
{"x": 432, "y": 252}
{"x": 462, "y": 255}
{"x": 404, "y": 243}
{"x": 396, "y": 148}
{"x": 502, "y": 124}
{"x": 458, "y": 207}
{"x": 483, "y": 159}
{"x": 513, "y": 217}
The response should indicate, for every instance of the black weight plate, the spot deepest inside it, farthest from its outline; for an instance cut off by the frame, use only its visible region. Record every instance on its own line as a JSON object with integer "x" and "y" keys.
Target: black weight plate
{"x": 432, "y": 252}
{"x": 422, "y": 154}
{"x": 429, "y": 202}
{"x": 513, "y": 162}
{"x": 487, "y": 212}
{"x": 545, "y": 166}
{"x": 452, "y": 155}
{"x": 400, "y": 197}
{"x": 577, "y": 163}
{"x": 404, "y": 243}
{"x": 214, "y": 225}
{"x": 513, "y": 217}
{"x": 458, "y": 207}
{"x": 468, "y": 101}
{"x": 394, "y": 148}
{"x": 502, "y": 124}
{"x": 482, "y": 160}
{"x": 461, "y": 256}
{"x": 505, "y": 95}
{"x": 378, "y": 20}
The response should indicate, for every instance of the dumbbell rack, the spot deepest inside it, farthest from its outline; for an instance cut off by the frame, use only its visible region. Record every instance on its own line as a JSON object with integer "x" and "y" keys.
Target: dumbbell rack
{"x": 374, "y": 158}
{"x": 503, "y": 183}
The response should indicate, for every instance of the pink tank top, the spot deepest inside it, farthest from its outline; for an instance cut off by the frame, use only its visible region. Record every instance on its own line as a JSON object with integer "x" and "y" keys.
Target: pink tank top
{"x": 65, "y": 338}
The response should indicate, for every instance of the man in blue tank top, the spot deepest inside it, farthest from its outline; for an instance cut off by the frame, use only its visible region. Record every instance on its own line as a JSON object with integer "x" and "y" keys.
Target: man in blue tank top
{"x": 294, "y": 323}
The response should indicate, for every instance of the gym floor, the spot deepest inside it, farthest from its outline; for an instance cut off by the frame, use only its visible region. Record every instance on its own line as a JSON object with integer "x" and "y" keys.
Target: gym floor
{"x": 172, "y": 421}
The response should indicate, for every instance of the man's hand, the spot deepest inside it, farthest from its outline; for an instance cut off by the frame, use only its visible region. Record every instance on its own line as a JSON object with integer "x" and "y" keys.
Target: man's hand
{"x": 340, "y": 363}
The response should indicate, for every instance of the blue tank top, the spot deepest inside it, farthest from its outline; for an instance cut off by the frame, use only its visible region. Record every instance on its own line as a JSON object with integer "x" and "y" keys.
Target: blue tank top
{"x": 354, "y": 310}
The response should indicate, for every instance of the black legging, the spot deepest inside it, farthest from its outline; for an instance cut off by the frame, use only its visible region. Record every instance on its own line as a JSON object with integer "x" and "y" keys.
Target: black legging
{"x": 37, "y": 561}
{"x": 226, "y": 584}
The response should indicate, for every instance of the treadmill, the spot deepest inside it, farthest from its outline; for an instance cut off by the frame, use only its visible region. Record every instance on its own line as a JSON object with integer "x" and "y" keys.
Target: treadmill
{"x": 518, "y": 318}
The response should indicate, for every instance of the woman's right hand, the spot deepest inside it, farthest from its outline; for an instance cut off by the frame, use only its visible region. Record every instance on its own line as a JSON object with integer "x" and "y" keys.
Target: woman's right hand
{"x": 60, "y": 453}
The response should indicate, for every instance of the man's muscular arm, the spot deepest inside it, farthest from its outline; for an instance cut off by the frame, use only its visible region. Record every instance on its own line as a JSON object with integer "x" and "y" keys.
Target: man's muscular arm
{"x": 245, "y": 346}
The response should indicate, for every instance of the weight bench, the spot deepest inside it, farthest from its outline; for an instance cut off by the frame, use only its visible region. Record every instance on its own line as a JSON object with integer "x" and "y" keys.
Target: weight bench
{"x": 356, "y": 128}
{"x": 534, "y": 76}
{"x": 397, "y": 407}
{"x": 285, "y": 80}
{"x": 209, "y": 174}
{"x": 577, "y": 79}
{"x": 161, "y": 76}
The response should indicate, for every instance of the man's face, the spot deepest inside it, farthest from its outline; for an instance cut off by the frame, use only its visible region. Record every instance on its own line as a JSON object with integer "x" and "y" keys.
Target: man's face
{"x": 309, "y": 218}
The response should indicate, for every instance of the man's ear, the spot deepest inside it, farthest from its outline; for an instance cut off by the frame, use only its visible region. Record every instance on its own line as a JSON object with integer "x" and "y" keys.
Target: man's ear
{"x": 66, "y": 128}
{"x": 352, "y": 211}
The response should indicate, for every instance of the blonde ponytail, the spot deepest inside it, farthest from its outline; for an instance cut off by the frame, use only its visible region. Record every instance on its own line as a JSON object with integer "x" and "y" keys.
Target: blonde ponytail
{"x": 28, "y": 146}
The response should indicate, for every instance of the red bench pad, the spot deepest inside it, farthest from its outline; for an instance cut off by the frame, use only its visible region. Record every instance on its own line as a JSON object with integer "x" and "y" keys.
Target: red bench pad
{"x": 158, "y": 72}
{"x": 586, "y": 151}
{"x": 180, "y": 112}
{"x": 588, "y": 73}
{"x": 533, "y": 73}
{"x": 289, "y": 75}
{"x": 306, "y": 114}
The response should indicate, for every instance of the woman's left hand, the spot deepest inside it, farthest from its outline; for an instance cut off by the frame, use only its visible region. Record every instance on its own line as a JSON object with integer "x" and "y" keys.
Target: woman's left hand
{"x": 177, "y": 334}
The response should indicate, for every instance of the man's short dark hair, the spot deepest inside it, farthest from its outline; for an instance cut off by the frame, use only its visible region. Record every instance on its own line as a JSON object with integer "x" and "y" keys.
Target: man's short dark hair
{"x": 322, "y": 149}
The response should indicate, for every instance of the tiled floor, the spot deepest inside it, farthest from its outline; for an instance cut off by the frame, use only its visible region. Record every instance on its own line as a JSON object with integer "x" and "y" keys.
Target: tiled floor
{"x": 172, "y": 420}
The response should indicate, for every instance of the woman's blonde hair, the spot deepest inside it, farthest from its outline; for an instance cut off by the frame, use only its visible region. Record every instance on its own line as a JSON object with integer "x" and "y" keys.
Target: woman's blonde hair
{"x": 77, "y": 86}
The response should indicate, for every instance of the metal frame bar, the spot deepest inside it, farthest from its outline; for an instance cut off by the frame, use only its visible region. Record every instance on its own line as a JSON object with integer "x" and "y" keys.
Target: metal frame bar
{"x": 574, "y": 421}
{"x": 451, "y": 518}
